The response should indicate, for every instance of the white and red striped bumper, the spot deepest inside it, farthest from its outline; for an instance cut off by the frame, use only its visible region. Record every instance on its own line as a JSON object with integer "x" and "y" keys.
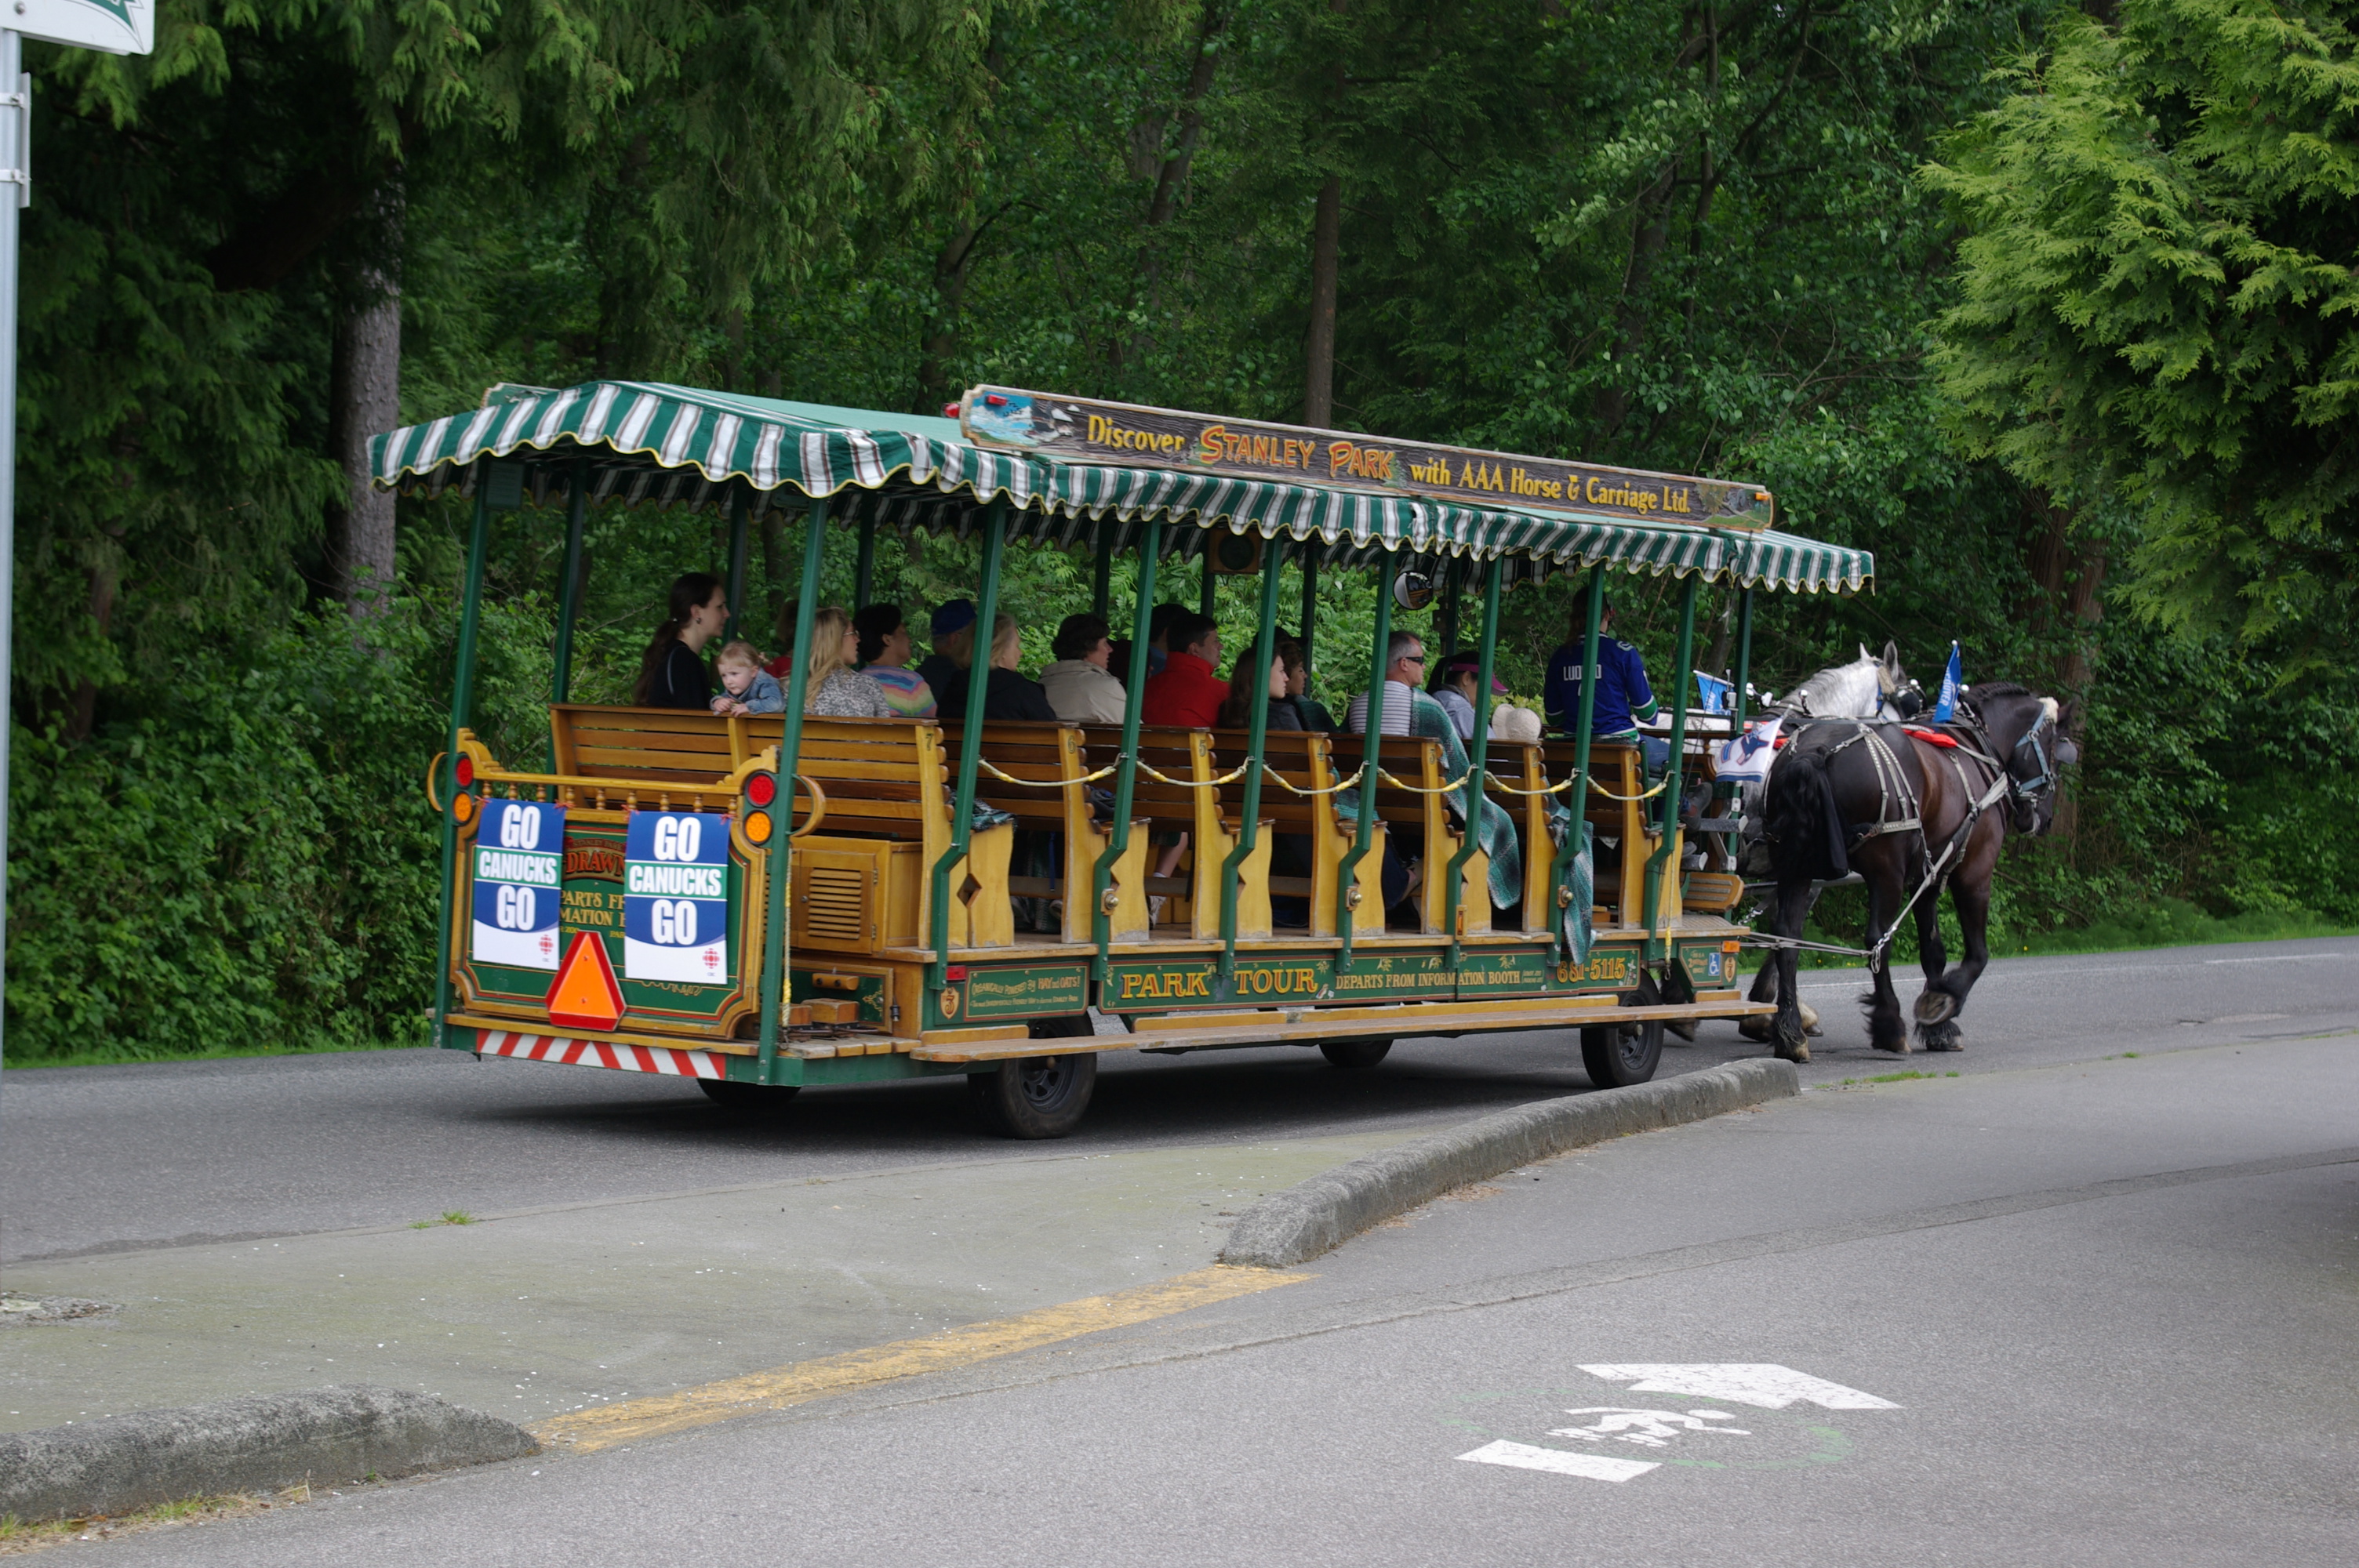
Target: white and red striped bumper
{"x": 659, "y": 1059}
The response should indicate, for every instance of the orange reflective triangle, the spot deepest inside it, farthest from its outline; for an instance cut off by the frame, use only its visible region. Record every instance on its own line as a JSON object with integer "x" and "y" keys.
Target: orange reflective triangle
{"x": 586, "y": 995}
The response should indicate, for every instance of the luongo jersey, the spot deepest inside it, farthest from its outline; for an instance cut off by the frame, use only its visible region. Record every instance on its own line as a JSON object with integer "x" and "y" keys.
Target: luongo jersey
{"x": 1622, "y": 697}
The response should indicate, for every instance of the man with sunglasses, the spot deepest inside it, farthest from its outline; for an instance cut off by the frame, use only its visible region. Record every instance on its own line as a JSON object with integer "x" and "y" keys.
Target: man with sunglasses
{"x": 1404, "y": 677}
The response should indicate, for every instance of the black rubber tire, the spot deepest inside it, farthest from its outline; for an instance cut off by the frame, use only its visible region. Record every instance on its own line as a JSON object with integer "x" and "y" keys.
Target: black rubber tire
{"x": 747, "y": 1097}
{"x": 1035, "y": 1096}
{"x": 1616, "y": 1060}
{"x": 1354, "y": 1055}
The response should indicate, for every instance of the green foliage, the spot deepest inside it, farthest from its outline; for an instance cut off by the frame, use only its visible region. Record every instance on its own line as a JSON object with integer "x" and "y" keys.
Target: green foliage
{"x": 2157, "y": 300}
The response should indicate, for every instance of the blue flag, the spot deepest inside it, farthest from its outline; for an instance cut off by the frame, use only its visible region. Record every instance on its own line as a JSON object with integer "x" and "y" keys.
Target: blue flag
{"x": 1945, "y": 707}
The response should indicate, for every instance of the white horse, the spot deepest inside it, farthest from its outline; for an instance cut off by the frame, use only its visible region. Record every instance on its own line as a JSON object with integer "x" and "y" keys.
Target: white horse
{"x": 1867, "y": 687}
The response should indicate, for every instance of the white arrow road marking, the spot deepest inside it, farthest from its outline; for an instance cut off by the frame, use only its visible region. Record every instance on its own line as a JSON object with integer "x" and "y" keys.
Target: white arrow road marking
{"x": 1525, "y": 1456}
{"x": 1744, "y": 1383}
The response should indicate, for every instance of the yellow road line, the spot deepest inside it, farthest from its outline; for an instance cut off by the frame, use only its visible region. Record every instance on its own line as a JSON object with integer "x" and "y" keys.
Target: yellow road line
{"x": 794, "y": 1384}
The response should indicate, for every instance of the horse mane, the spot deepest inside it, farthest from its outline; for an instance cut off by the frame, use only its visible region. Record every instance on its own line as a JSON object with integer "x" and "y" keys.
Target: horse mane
{"x": 2002, "y": 689}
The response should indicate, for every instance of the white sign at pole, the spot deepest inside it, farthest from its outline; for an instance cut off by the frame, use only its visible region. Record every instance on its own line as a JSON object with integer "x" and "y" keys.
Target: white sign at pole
{"x": 114, "y": 26}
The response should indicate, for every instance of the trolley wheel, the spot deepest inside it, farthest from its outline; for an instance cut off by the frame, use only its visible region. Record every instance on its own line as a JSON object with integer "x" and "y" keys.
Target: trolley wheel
{"x": 1035, "y": 1096}
{"x": 1618, "y": 1055}
{"x": 1356, "y": 1055}
{"x": 747, "y": 1097}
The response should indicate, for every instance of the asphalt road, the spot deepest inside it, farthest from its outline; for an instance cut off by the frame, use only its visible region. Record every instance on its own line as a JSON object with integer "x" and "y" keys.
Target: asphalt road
{"x": 2082, "y": 1307}
{"x": 101, "y": 1159}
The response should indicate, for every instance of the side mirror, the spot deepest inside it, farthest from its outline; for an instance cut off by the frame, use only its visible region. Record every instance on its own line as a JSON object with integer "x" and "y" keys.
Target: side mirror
{"x": 1412, "y": 590}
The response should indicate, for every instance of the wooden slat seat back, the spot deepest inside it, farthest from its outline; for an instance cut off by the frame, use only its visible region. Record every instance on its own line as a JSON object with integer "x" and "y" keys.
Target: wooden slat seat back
{"x": 1525, "y": 765}
{"x": 1417, "y": 761}
{"x": 1165, "y": 808}
{"x": 645, "y": 747}
{"x": 890, "y": 778}
{"x": 1308, "y": 761}
{"x": 1619, "y": 767}
{"x": 1219, "y": 822}
{"x": 1047, "y": 752}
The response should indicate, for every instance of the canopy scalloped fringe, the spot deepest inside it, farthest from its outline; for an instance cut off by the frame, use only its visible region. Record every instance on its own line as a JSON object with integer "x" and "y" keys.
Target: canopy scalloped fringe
{"x": 647, "y": 443}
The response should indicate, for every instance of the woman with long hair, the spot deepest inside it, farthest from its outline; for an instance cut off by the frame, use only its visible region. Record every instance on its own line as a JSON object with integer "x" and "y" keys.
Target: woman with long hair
{"x": 833, "y": 688}
{"x": 1252, "y": 669}
{"x": 1008, "y": 694}
{"x": 672, "y": 672}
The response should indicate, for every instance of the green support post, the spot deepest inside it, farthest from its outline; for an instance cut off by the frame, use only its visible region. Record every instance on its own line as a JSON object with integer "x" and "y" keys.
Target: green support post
{"x": 1585, "y": 728}
{"x": 863, "y": 572}
{"x": 568, "y": 598}
{"x": 1210, "y": 602}
{"x": 1310, "y": 622}
{"x": 1744, "y": 661}
{"x": 1445, "y": 621}
{"x": 1367, "y": 815}
{"x": 740, "y": 505}
{"x": 1101, "y": 570}
{"x": 463, "y": 691}
{"x": 1475, "y": 795}
{"x": 986, "y": 610}
{"x": 790, "y": 745}
{"x": 1150, "y": 552}
{"x": 1273, "y": 559}
{"x": 1655, "y": 947}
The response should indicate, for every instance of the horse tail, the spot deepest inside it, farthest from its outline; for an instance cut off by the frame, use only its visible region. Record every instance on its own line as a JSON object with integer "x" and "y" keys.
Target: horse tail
{"x": 1806, "y": 829}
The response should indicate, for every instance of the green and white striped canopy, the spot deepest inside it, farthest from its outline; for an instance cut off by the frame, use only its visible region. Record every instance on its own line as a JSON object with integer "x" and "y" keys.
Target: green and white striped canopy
{"x": 638, "y": 442}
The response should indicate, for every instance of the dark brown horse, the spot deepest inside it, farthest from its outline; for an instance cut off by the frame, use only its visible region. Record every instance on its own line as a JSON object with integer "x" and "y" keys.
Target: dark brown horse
{"x": 1853, "y": 796}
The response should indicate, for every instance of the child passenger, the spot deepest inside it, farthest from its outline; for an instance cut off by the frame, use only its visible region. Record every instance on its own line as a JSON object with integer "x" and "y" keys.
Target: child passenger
{"x": 750, "y": 689}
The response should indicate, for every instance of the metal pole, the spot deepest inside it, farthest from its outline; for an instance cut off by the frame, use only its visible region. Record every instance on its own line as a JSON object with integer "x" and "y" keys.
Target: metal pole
{"x": 16, "y": 156}
{"x": 1102, "y": 572}
{"x": 739, "y": 505}
{"x": 1367, "y": 818}
{"x": 1446, "y": 620}
{"x": 1211, "y": 605}
{"x": 463, "y": 687}
{"x": 1312, "y": 550}
{"x": 1744, "y": 660}
{"x": 1150, "y": 554}
{"x": 1655, "y": 862}
{"x": 790, "y": 746}
{"x": 569, "y": 588}
{"x": 1585, "y": 728}
{"x": 994, "y": 539}
{"x": 1256, "y": 736}
{"x": 1479, "y": 760}
{"x": 863, "y": 573}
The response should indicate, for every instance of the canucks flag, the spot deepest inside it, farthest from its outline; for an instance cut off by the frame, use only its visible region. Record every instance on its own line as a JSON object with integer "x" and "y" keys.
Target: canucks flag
{"x": 676, "y": 897}
{"x": 1946, "y": 706}
{"x": 519, "y": 861}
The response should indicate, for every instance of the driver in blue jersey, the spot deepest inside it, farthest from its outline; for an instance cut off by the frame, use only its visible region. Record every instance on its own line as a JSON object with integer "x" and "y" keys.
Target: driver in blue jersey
{"x": 1621, "y": 698}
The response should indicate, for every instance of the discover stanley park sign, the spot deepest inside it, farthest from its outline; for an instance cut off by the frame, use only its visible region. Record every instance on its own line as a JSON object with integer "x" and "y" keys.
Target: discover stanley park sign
{"x": 1082, "y": 429}
{"x": 114, "y": 26}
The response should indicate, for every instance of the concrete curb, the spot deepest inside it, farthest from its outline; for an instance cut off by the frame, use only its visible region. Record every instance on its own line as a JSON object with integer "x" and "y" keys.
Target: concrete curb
{"x": 1324, "y": 1211}
{"x": 327, "y": 1436}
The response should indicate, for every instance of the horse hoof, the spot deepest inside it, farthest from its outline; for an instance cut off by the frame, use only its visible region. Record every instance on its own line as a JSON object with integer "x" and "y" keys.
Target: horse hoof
{"x": 1682, "y": 1027}
{"x": 1935, "y": 1007}
{"x": 1896, "y": 1047}
{"x": 1943, "y": 1036}
{"x": 1795, "y": 1054}
{"x": 1756, "y": 1029}
{"x": 1810, "y": 1018}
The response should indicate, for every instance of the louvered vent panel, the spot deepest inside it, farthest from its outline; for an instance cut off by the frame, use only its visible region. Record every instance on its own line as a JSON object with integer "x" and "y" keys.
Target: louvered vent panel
{"x": 835, "y": 906}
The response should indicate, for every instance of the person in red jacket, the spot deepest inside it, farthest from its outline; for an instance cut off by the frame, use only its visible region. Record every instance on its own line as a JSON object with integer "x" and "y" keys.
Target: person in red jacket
{"x": 1189, "y": 691}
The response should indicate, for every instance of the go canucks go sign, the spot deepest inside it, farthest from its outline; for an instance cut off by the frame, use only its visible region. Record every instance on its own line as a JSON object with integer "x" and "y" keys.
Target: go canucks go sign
{"x": 1081, "y": 429}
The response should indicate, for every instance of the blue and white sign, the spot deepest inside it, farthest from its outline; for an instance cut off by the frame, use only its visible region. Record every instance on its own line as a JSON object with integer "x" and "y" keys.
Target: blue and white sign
{"x": 519, "y": 882}
{"x": 676, "y": 897}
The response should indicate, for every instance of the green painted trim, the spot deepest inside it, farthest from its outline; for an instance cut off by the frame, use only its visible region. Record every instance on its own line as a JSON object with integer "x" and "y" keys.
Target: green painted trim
{"x": 782, "y": 817}
{"x": 1584, "y": 730}
{"x": 864, "y": 569}
{"x": 1658, "y": 862}
{"x": 462, "y": 692}
{"x": 1478, "y": 759}
{"x": 1273, "y": 559}
{"x": 995, "y": 541}
{"x": 740, "y": 507}
{"x": 1367, "y": 788}
{"x": 1126, "y": 780}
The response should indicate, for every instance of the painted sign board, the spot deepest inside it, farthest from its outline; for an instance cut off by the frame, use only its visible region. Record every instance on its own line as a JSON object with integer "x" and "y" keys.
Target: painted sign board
{"x": 113, "y": 27}
{"x": 676, "y": 897}
{"x": 519, "y": 883}
{"x": 1080, "y": 429}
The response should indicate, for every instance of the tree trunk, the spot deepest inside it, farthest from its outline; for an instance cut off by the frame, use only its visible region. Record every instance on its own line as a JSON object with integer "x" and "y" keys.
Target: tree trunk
{"x": 2069, "y": 577}
{"x": 1326, "y": 260}
{"x": 1652, "y": 230}
{"x": 935, "y": 387}
{"x": 365, "y": 400}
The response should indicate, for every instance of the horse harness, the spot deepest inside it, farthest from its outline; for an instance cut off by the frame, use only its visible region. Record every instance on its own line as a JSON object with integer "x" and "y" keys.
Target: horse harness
{"x": 1891, "y": 780}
